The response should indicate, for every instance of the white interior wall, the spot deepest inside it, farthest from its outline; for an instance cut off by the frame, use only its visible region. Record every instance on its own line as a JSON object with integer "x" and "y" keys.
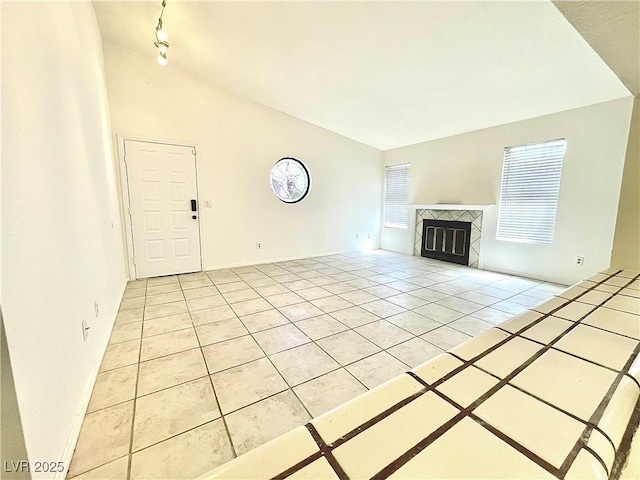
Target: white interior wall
{"x": 468, "y": 169}
{"x": 61, "y": 237}
{"x": 238, "y": 141}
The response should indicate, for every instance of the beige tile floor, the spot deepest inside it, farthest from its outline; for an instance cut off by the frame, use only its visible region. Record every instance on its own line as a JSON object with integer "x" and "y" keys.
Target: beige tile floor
{"x": 203, "y": 367}
{"x": 537, "y": 396}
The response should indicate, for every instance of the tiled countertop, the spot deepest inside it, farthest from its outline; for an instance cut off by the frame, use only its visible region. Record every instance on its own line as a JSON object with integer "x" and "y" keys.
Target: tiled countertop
{"x": 551, "y": 393}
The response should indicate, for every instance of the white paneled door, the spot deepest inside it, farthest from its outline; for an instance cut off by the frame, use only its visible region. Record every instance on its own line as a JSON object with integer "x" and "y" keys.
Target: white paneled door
{"x": 163, "y": 208}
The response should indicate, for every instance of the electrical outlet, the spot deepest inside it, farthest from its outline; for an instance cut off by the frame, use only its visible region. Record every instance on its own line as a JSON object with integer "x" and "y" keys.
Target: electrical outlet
{"x": 258, "y": 245}
{"x": 357, "y": 236}
{"x": 85, "y": 330}
{"x": 96, "y": 308}
{"x": 580, "y": 261}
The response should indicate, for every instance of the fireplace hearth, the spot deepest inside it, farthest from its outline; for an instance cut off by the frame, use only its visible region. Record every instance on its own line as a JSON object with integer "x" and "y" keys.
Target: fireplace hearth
{"x": 446, "y": 240}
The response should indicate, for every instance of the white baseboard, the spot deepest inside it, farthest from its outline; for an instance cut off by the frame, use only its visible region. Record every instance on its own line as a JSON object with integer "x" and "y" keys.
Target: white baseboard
{"x": 274, "y": 260}
{"x": 70, "y": 447}
{"x": 531, "y": 276}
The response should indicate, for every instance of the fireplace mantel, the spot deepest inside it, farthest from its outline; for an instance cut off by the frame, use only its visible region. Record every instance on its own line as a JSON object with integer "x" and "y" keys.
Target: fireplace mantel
{"x": 450, "y": 206}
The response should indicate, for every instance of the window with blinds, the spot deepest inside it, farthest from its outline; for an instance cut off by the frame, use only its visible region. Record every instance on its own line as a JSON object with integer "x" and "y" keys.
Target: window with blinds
{"x": 529, "y": 192}
{"x": 396, "y": 196}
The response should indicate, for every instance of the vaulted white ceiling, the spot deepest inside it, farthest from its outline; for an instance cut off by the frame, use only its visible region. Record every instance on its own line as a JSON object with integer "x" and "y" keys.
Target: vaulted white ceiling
{"x": 386, "y": 74}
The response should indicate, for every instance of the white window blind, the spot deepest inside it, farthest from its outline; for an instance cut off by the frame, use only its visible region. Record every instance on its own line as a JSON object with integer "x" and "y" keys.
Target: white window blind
{"x": 396, "y": 196}
{"x": 529, "y": 192}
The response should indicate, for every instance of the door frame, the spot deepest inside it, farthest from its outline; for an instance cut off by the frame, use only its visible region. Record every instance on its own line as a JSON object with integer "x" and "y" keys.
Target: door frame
{"x": 125, "y": 217}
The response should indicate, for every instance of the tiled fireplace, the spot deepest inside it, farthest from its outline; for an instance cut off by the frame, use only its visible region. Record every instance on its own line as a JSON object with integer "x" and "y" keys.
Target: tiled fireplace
{"x": 454, "y": 213}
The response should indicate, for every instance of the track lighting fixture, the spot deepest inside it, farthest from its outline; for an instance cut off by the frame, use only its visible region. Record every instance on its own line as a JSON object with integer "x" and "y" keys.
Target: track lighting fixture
{"x": 161, "y": 42}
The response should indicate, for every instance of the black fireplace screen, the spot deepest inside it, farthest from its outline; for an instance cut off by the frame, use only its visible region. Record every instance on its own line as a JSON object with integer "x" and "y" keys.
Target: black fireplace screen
{"x": 446, "y": 240}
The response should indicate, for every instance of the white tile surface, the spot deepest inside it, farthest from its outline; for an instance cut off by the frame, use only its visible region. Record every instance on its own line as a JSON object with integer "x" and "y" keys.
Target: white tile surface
{"x": 339, "y": 350}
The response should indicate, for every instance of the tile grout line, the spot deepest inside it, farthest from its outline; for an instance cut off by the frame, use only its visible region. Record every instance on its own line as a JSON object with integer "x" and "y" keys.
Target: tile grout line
{"x": 326, "y": 452}
{"x": 502, "y": 382}
{"x": 598, "y": 458}
{"x": 268, "y": 329}
{"x": 597, "y": 416}
{"x": 586, "y": 423}
{"x": 380, "y": 416}
{"x": 287, "y": 383}
{"x": 542, "y": 400}
{"x": 289, "y": 387}
{"x": 128, "y": 454}
{"x": 215, "y": 395}
{"x": 420, "y": 446}
{"x": 306, "y": 381}
{"x": 135, "y": 397}
{"x": 381, "y": 271}
{"x": 298, "y": 466}
{"x": 174, "y": 435}
{"x": 588, "y": 429}
{"x": 546, "y": 465}
{"x": 626, "y": 442}
{"x": 508, "y": 439}
{"x": 576, "y": 356}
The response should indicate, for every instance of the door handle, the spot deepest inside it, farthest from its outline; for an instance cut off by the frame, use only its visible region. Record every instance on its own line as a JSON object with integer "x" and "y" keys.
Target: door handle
{"x": 193, "y": 206}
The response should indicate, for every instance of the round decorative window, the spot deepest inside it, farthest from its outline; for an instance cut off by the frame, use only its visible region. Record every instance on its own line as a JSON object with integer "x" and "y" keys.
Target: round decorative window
{"x": 290, "y": 180}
